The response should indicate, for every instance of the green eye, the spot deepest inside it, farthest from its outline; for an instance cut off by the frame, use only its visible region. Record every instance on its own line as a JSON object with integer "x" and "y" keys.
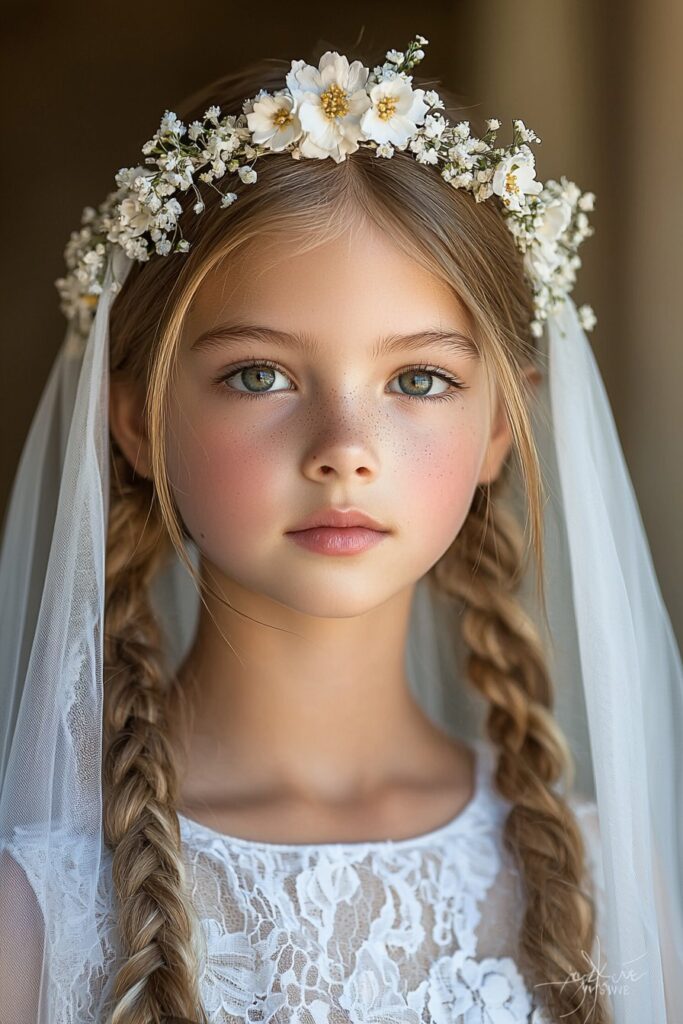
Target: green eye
{"x": 260, "y": 374}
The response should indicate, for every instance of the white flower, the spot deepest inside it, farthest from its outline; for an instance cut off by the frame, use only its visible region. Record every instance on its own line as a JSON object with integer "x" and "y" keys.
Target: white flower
{"x": 182, "y": 179}
{"x": 247, "y": 174}
{"x": 228, "y": 199}
{"x": 567, "y": 189}
{"x": 136, "y": 249}
{"x": 385, "y": 149}
{"x": 537, "y": 265}
{"x": 163, "y": 247}
{"x": 395, "y": 112}
{"x": 582, "y": 223}
{"x": 165, "y": 188}
{"x": 514, "y": 178}
{"x": 587, "y": 201}
{"x": 135, "y": 217}
{"x": 153, "y": 202}
{"x": 428, "y": 156}
{"x": 133, "y": 177}
{"x": 493, "y": 124}
{"x": 526, "y": 134}
{"x": 587, "y": 317}
{"x": 434, "y": 126}
{"x": 395, "y": 56}
{"x": 198, "y": 206}
{"x": 330, "y": 101}
{"x": 195, "y": 130}
{"x": 274, "y": 123}
{"x": 166, "y": 218}
{"x": 248, "y": 105}
{"x": 432, "y": 99}
{"x": 170, "y": 124}
{"x": 169, "y": 159}
{"x": 212, "y": 114}
{"x": 460, "y": 154}
{"x": 552, "y": 222}
{"x": 217, "y": 148}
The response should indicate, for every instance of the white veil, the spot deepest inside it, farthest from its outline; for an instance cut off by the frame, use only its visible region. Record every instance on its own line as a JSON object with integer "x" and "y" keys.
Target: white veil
{"x": 614, "y": 659}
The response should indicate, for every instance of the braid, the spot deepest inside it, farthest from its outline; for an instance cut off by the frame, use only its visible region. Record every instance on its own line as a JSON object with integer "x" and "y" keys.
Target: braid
{"x": 506, "y": 664}
{"x": 140, "y": 777}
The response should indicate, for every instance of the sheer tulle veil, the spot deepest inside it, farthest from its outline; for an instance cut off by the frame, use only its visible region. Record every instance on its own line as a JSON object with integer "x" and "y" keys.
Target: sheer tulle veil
{"x": 615, "y": 662}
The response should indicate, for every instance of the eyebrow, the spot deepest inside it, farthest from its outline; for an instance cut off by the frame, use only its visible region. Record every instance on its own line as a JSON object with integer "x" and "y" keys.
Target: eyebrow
{"x": 225, "y": 334}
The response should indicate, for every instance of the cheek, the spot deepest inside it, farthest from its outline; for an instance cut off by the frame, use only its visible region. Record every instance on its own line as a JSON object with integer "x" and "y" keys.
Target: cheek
{"x": 225, "y": 482}
{"x": 438, "y": 484}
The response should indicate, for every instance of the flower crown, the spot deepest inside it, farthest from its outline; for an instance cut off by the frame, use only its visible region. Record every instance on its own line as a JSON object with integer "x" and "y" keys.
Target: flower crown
{"x": 330, "y": 111}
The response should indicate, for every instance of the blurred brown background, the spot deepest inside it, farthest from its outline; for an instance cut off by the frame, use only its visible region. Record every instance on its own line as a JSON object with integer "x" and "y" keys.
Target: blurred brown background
{"x": 84, "y": 86}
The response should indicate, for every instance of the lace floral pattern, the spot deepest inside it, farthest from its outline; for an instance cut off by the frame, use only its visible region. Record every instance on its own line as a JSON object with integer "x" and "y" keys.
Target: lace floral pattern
{"x": 412, "y": 931}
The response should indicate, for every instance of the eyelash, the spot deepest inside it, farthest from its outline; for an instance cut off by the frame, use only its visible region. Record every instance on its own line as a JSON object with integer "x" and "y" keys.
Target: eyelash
{"x": 456, "y": 385}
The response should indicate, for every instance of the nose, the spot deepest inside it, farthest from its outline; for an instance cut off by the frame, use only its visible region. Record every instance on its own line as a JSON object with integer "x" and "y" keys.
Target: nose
{"x": 344, "y": 460}
{"x": 342, "y": 442}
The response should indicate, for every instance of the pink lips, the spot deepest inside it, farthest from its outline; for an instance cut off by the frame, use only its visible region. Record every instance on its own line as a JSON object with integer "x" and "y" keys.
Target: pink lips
{"x": 328, "y": 540}
{"x": 335, "y": 531}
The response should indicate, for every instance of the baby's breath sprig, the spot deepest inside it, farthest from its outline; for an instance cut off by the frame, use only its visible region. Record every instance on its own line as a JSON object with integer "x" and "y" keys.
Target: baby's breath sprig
{"x": 330, "y": 111}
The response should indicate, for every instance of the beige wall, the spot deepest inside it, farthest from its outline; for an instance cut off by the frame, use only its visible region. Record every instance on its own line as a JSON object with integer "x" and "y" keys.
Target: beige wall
{"x": 601, "y": 83}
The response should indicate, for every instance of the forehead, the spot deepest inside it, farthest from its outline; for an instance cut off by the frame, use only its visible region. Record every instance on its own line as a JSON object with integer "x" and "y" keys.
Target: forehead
{"x": 358, "y": 284}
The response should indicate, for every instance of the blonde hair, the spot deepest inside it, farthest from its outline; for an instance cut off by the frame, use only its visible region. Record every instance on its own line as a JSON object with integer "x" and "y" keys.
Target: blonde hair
{"x": 469, "y": 247}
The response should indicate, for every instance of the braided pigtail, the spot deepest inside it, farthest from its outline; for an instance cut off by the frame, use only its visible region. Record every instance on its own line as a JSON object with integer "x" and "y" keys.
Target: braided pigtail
{"x": 505, "y": 663}
{"x": 140, "y": 779}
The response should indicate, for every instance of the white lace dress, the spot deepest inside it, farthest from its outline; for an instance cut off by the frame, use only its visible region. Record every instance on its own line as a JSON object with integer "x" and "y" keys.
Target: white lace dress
{"x": 409, "y": 931}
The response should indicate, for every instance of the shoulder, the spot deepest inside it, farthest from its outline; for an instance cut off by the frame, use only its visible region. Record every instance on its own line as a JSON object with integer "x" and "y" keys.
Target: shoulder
{"x": 21, "y": 940}
{"x": 56, "y": 864}
{"x": 24, "y": 860}
{"x": 52, "y": 912}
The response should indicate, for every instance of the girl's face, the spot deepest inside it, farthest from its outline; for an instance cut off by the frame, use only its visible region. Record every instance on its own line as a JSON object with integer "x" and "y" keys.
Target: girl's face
{"x": 339, "y": 415}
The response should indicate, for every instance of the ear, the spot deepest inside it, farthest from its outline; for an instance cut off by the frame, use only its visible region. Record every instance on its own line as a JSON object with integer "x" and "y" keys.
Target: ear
{"x": 500, "y": 441}
{"x": 127, "y": 424}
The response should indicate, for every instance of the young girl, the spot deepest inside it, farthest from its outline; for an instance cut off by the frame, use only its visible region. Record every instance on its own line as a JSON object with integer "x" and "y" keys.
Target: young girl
{"x": 316, "y": 399}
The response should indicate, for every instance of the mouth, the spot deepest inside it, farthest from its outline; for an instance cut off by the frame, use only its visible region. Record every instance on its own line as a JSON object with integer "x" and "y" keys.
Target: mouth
{"x": 336, "y": 540}
{"x": 339, "y": 519}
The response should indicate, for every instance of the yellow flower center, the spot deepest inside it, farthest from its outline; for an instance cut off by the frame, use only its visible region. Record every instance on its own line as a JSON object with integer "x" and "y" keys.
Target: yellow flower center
{"x": 282, "y": 117}
{"x": 386, "y": 107}
{"x": 334, "y": 102}
{"x": 511, "y": 183}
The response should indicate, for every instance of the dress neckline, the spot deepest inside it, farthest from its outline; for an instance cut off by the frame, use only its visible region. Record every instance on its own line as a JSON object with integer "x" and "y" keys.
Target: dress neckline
{"x": 479, "y": 747}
